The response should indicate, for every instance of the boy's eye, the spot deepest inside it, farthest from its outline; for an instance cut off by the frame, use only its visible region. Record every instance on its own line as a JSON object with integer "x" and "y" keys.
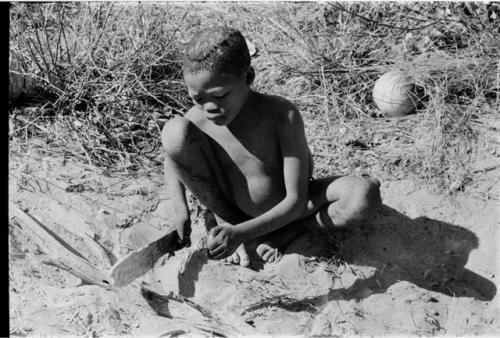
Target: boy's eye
{"x": 220, "y": 96}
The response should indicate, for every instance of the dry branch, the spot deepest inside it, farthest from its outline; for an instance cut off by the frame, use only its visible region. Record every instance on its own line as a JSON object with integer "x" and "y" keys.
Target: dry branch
{"x": 59, "y": 251}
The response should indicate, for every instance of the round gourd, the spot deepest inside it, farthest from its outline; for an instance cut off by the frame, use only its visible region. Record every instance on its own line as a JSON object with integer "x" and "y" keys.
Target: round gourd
{"x": 393, "y": 95}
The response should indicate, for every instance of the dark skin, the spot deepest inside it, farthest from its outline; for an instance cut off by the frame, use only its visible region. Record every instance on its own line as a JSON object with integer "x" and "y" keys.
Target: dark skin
{"x": 245, "y": 156}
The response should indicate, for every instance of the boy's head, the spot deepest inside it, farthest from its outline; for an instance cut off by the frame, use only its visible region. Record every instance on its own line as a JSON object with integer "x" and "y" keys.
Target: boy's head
{"x": 217, "y": 49}
{"x": 217, "y": 73}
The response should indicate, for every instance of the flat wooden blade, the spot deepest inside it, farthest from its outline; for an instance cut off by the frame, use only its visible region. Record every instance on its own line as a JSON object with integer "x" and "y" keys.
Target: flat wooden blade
{"x": 137, "y": 263}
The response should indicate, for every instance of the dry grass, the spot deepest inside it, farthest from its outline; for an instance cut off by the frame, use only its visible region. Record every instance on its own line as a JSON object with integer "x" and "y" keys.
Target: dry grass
{"x": 113, "y": 74}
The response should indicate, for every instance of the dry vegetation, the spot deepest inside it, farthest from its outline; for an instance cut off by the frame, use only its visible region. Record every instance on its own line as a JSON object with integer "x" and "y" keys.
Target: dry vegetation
{"x": 109, "y": 77}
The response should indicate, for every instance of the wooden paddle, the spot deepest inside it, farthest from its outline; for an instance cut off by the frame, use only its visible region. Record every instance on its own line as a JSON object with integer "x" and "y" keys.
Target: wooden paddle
{"x": 137, "y": 263}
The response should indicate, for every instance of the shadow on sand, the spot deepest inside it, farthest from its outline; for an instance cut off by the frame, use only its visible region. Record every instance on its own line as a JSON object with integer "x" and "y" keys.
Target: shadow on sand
{"x": 428, "y": 253}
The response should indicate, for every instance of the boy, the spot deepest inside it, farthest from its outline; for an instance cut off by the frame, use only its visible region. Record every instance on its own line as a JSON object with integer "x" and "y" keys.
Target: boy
{"x": 244, "y": 155}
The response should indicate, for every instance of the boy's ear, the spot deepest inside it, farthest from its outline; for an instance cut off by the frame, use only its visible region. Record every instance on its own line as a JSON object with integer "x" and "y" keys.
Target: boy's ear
{"x": 250, "y": 75}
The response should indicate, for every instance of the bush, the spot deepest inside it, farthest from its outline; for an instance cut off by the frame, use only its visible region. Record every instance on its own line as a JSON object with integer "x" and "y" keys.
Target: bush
{"x": 114, "y": 73}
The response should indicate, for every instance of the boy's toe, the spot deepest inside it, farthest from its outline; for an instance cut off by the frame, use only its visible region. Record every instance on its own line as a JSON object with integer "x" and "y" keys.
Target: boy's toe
{"x": 245, "y": 262}
{"x": 235, "y": 258}
{"x": 262, "y": 249}
{"x": 268, "y": 253}
{"x": 244, "y": 259}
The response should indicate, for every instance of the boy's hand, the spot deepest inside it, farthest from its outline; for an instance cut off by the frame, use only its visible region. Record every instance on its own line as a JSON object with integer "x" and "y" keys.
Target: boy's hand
{"x": 183, "y": 227}
{"x": 223, "y": 240}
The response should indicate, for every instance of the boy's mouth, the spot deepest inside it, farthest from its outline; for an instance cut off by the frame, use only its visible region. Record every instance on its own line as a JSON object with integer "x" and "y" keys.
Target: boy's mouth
{"x": 216, "y": 117}
{"x": 214, "y": 113}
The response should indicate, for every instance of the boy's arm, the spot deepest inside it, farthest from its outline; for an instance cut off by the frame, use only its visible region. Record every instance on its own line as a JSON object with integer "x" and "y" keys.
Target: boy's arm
{"x": 295, "y": 152}
{"x": 178, "y": 210}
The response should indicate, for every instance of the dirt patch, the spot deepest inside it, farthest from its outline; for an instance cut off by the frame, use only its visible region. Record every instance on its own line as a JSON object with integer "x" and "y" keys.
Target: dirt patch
{"x": 427, "y": 266}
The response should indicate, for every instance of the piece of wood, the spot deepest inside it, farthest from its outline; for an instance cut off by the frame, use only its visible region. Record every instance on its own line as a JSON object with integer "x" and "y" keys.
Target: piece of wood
{"x": 59, "y": 251}
{"x": 78, "y": 229}
{"x": 56, "y": 209}
{"x": 198, "y": 320}
{"x": 137, "y": 263}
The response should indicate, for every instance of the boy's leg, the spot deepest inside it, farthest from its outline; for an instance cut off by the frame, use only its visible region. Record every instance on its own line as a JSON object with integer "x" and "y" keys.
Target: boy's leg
{"x": 334, "y": 202}
{"x": 339, "y": 201}
{"x": 191, "y": 156}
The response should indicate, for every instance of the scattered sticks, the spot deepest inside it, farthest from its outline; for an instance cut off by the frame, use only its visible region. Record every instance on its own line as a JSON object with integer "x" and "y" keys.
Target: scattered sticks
{"x": 61, "y": 254}
{"x": 59, "y": 251}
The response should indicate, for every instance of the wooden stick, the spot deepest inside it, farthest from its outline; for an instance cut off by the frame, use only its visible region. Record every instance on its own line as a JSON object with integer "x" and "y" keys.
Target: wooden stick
{"x": 85, "y": 234}
{"x": 200, "y": 320}
{"x": 487, "y": 168}
{"x": 189, "y": 318}
{"x": 60, "y": 252}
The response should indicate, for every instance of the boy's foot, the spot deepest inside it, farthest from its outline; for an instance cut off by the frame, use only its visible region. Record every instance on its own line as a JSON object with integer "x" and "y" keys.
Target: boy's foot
{"x": 267, "y": 253}
{"x": 240, "y": 256}
{"x": 271, "y": 245}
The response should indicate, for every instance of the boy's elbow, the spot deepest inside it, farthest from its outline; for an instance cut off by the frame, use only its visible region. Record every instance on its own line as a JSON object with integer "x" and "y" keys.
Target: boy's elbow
{"x": 296, "y": 205}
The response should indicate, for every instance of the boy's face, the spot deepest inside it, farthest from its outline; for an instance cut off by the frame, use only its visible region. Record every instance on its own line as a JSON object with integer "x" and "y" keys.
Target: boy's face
{"x": 220, "y": 96}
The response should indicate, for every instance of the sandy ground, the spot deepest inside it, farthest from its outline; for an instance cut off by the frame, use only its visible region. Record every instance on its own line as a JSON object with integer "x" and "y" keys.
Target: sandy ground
{"x": 427, "y": 266}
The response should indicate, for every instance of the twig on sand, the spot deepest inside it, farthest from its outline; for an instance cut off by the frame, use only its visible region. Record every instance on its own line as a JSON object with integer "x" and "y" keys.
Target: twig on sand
{"x": 487, "y": 168}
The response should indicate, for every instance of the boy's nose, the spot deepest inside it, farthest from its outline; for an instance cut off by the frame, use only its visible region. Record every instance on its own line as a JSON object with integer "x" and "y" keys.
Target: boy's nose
{"x": 211, "y": 107}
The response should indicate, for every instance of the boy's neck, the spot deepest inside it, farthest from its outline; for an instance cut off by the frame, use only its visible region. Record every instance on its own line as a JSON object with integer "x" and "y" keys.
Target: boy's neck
{"x": 245, "y": 111}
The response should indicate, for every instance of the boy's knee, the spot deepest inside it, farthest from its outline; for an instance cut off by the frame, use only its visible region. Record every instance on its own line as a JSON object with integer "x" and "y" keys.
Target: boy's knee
{"x": 363, "y": 201}
{"x": 176, "y": 135}
{"x": 366, "y": 198}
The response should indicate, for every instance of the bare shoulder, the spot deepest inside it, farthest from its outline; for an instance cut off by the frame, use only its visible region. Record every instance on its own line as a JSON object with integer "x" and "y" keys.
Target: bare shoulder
{"x": 284, "y": 111}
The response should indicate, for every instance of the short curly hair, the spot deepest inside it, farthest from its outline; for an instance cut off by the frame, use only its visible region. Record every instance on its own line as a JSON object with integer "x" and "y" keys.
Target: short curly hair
{"x": 219, "y": 48}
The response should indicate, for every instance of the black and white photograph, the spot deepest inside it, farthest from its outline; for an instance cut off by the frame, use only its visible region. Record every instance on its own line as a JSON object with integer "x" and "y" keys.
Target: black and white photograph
{"x": 253, "y": 168}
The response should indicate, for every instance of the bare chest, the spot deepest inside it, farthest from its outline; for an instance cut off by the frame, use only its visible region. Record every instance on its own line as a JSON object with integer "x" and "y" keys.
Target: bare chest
{"x": 251, "y": 152}
{"x": 253, "y": 167}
